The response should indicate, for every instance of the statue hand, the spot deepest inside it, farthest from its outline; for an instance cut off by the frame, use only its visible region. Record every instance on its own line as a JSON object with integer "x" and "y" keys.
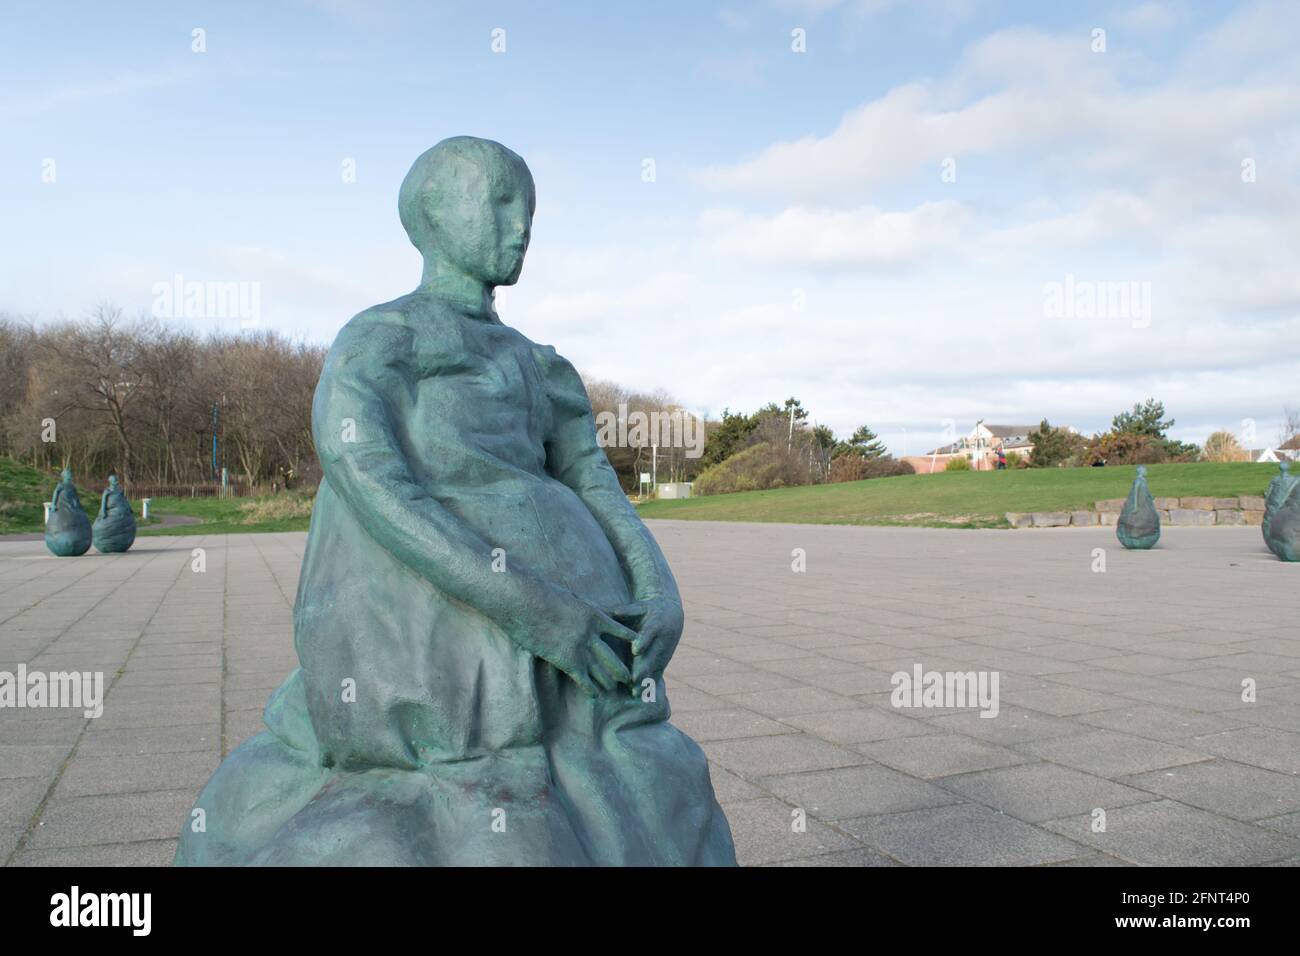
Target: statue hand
{"x": 580, "y": 651}
{"x": 658, "y": 622}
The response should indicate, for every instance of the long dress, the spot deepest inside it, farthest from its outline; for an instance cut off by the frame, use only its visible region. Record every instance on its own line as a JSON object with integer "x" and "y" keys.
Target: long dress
{"x": 114, "y": 530}
{"x": 1281, "y": 524}
{"x": 67, "y": 532}
{"x": 463, "y": 492}
{"x": 1138, "y": 526}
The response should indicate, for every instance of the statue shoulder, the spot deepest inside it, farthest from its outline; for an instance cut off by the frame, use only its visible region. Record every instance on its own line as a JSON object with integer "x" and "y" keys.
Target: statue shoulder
{"x": 554, "y": 366}
{"x": 380, "y": 334}
{"x": 563, "y": 383}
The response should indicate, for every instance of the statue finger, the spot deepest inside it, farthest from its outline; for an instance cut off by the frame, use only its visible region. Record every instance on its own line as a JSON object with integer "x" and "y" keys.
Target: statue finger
{"x": 586, "y": 683}
{"x": 608, "y": 664}
{"x": 621, "y": 632}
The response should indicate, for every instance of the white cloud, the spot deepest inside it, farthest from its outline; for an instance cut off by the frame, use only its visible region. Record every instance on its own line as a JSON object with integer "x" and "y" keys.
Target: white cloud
{"x": 862, "y": 237}
{"x": 1102, "y": 166}
{"x": 1021, "y": 95}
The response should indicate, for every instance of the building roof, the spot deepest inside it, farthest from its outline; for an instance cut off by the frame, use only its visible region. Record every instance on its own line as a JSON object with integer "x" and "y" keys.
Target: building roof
{"x": 1291, "y": 444}
{"x": 1010, "y": 431}
{"x": 1274, "y": 454}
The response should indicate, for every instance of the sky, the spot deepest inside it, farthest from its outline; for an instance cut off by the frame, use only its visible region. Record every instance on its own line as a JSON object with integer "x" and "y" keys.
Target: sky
{"x": 908, "y": 215}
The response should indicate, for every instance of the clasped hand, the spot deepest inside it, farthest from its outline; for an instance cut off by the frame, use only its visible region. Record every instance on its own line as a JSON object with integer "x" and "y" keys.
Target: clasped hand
{"x": 651, "y": 627}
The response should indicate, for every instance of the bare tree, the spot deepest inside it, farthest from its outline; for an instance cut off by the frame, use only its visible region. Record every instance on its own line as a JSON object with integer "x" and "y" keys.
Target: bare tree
{"x": 137, "y": 397}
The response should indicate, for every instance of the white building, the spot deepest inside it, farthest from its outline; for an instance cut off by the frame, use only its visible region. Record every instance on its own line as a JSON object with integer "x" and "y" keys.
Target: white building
{"x": 981, "y": 446}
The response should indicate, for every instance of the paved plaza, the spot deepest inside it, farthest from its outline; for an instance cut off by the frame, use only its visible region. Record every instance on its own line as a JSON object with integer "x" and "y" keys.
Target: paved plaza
{"x": 1120, "y": 692}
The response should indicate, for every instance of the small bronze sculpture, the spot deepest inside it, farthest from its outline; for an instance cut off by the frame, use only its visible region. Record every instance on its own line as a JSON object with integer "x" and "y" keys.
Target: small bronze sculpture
{"x": 1138, "y": 526}
{"x": 67, "y": 530}
{"x": 1281, "y": 525}
{"x": 114, "y": 529}
{"x": 482, "y": 620}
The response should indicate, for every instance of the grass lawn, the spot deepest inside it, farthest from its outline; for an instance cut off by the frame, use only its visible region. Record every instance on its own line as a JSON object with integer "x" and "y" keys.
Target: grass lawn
{"x": 947, "y": 500}
{"x": 23, "y": 491}
{"x": 285, "y": 512}
{"x": 964, "y": 499}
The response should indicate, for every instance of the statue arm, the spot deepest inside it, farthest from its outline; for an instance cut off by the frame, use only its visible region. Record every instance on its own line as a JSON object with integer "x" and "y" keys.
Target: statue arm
{"x": 370, "y": 474}
{"x": 575, "y": 458}
{"x": 103, "y": 502}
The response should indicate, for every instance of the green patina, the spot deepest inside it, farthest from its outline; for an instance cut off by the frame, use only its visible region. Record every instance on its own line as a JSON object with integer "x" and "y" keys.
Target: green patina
{"x": 67, "y": 531}
{"x": 482, "y": 620}
{"x": 1281, "y": 526}
{"x": 1138, "y": 526}
{"x": 114, "y": 529}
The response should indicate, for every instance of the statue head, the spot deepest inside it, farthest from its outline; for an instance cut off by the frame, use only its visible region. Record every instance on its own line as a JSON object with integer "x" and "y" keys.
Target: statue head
{"x": 467, "y": 205}
{"x": 112, "y": 481}
{"x": 1284, "y": 465}
{"x": 67, "y": 474}
{"x": 1142, "y": 471}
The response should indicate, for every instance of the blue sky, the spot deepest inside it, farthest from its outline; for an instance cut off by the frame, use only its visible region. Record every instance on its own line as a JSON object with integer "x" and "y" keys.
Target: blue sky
{"x": 799, "y": 237}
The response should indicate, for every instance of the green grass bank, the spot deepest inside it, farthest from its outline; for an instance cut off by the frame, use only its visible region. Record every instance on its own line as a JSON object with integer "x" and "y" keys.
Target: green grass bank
{"x": 964, "y": 499}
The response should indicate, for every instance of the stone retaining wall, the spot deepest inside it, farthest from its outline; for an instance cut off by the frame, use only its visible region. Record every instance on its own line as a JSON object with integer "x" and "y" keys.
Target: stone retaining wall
{"x": 1175, "y": 512}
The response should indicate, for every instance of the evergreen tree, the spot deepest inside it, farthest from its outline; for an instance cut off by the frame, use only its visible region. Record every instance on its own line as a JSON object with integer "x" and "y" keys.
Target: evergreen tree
{"x": 1145, "y": 419}
{"x": 864, "y": 444}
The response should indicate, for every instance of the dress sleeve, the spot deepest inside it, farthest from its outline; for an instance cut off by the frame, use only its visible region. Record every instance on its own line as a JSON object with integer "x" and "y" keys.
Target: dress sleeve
{"x": 364, "y": 463}
{"x": 575, "y": 458}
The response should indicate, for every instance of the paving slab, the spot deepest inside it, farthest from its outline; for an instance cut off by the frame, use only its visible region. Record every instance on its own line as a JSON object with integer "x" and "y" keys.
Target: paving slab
{"x": 1167, "y": 833}
{"x": 1235, "y": 790}
{"x": 1042, "y": 791}
{"x": 854, "y": 791}
{"x": 940, "y": 755}
{"x": 960, "y": 835}
{"x": 1109, "y": 754}
{"x": 1119, "y": 691}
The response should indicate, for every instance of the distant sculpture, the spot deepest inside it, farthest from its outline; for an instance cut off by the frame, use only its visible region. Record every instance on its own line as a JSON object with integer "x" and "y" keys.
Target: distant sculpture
{"x": 1281, "y": 525}
{"x": 1138, "y": 526}
{"x": 114, "y": 529}
{"x": 67, "y": 530}
{"x": 482, "y": 620}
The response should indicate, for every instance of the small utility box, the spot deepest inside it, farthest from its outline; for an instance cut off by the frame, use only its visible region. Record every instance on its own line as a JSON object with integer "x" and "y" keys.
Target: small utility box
{"x": 673, "y": 489}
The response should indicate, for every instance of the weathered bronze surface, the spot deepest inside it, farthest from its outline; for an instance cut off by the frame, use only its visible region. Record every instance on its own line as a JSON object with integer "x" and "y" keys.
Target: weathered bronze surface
{"x": 67, "y": 532}
{"x": 114, "y": 529}
{"x": 482, "y": 620}
{"x": 1281, "y": 525}
{"x": 1138, "y": 526}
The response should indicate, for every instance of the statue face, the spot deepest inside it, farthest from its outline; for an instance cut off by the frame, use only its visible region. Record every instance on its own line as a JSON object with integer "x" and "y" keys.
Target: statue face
{"x": 481, "y": 217}
{"x": 67, "y": 474}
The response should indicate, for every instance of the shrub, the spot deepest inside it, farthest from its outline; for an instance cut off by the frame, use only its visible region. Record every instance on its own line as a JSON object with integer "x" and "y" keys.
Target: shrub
{"x": 887, "y": 467}
{"x": 757, "y": 468}
{"x": 848, "y": 468}
{"x": 1125, "y": 448}
{"x": 957, "y": 463}
{"x": 275, "y": 508}
{"x": 1054, "y": 446}
{"x": 855, "y": 468}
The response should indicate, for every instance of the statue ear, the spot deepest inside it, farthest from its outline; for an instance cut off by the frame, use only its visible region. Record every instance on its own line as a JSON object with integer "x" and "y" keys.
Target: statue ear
{"x": 431, "y": 220}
